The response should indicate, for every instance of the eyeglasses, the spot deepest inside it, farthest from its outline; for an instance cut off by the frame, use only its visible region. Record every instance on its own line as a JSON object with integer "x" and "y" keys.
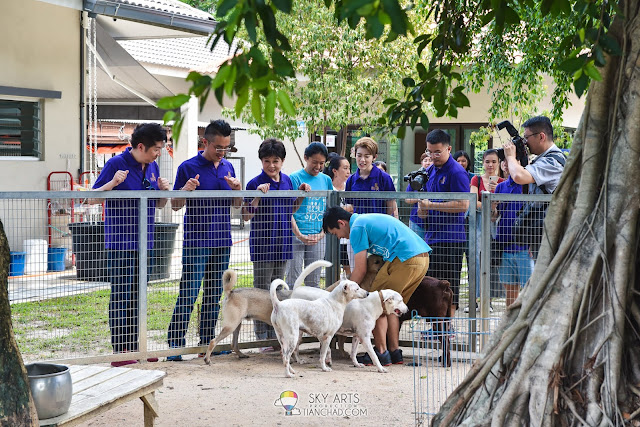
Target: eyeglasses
{"x": 223, "y": 150}
{"x": 526, "y": 137}
{"x": 147, "y": 184}
{"x": 434, "y": 154}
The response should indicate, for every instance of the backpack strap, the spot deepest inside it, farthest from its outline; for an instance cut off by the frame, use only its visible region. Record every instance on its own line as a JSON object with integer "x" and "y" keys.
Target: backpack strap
{"x": 559, "y": 157}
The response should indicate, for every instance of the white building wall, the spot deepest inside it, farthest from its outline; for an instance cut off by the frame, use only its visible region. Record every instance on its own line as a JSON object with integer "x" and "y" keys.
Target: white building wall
{"x": 41, "y": 50}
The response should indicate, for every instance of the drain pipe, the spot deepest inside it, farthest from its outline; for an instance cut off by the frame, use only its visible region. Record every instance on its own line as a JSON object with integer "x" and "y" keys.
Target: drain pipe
{"x": 83, "y": 125}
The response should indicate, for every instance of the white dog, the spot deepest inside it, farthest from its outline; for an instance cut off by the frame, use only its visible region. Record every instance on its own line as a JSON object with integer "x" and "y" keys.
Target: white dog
{"x": 360, "y": 318}
{"x": 309, "y": 292}
{"x": 320, "y": 318}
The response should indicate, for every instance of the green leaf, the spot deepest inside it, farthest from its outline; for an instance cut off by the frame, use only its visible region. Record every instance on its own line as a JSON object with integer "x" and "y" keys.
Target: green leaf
{"x": 591, "y": 71}
{"x": 452, "y": 111}
{"x": 285, "y": 103}
{"x": 256, "y": 107}
{"x": 460, "y": 100}
{"x": 173, "y": 102}
{"x": 581, "y": 34}
{"x": 250, "y": 25}
{"x": 374, "y": 27}
{"x": 402, "y": 131}
{"x": 228, "y": 84}
{"x": 408, "y": 82}
{"x": 424, "y": 121}
{"x": 422, "y": 70}
{"x": 390, "y": 101}
{"x": 221, "y": 76}
{"x": 241, "y": 101}
{"x": 281, "y": 65}
{"x": 176, "y": 129}
{"x": 270, "y": 108}
{"x": 610, "y": 45}
{"x": 283, "y": 5}
{"x": 168, "y": 116}
{"x": 225, "y": 6}
{"x": 511, "y": 16}
{"x": 399, "y": 20}
{"x": 571, "y": 65}
{"x": 599, "y": 56}
{"x": 581, "y": 85}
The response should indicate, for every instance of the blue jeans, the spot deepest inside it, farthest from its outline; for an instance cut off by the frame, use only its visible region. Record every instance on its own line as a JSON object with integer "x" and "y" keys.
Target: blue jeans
{"x": 199, "y": 266}
{"x": 123, "y": 302}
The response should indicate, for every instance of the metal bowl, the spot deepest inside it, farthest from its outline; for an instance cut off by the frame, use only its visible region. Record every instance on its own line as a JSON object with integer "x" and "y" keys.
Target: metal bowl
{"x": 51, "y": 388}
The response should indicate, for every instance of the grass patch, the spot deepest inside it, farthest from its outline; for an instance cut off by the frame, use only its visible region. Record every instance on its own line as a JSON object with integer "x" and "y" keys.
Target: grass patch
{"x": 79, "y": 324}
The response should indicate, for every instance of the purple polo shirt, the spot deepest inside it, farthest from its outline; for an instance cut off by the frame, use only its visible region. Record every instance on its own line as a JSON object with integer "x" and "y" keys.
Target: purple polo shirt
{"x": 377, "y": 180}
{"x": 508, "y": 212}
{"x": 121, "y": 215}
{"x": 444, "y": 227}
{"x": 270, "y": 238}
{"x": 207, "y": 222}
{"x": 414, "y": 212}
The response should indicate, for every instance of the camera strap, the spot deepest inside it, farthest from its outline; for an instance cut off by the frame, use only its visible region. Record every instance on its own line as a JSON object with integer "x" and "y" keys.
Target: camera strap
{"x": 559, "y": 157}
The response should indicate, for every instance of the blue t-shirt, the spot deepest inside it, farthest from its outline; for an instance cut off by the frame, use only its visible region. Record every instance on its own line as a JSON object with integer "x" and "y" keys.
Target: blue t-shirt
{"x": 386, "y": 236}
{"x": 270, "y": 238}
{"x": 309, "y": 215}
{"x": 121, "y": 215}
{"x": 377, "y": 180}
{"x": 445, "y": 227}
{"x": 207, "y": 222}
{"x": 508, "y": 212}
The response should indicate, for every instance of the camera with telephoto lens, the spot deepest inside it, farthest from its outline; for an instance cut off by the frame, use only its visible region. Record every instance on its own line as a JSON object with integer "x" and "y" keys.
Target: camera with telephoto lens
{"x": 521, "y": 145}
{"x": 417, "y": 179}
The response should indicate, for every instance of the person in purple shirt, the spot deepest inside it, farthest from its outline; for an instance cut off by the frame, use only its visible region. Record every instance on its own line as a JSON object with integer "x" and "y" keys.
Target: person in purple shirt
{"x": 270, "y": 238}
{"x": 207, "y": 234}
{"x": 444, "y": 220}
{"x": 370, "y": 178}
{"x": 516, "y": 264}
{"x": 134, "y": 169}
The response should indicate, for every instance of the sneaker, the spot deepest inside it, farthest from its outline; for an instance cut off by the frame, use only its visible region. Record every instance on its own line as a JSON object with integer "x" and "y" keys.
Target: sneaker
{"x": 384, "y": 358}
{"x": 490, "y": 308}
{"x": 123, "y": 363}
{"x": 396, "y": 357}
{"x": 177, "y": 358}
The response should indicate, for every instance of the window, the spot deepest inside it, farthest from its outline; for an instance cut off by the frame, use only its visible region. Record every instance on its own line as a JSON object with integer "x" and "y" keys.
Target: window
{"x": 20, "y": 129}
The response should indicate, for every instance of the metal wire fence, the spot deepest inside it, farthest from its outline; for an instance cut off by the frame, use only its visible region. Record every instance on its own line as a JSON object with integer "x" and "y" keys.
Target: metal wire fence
{"x": 94, "y": 280}
{"x": 444, "y": 349}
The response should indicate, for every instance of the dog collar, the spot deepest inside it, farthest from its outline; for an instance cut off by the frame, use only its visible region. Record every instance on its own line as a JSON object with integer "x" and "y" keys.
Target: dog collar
{"x": 384, "y": 310}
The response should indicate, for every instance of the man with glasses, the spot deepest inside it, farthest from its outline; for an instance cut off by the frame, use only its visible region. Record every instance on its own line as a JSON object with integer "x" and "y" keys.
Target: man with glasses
{"x": 207, "y": 234}
{"x": 134, "y": 169}
{"x": 544, "y": 172}
{"x": 444, "y": 219}
{"x": 541, "y": 176}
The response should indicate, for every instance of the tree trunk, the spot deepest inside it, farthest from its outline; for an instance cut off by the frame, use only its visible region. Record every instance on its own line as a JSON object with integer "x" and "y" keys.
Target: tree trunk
{"x": 16, "y": 405}
{"x": 568, "y": 351}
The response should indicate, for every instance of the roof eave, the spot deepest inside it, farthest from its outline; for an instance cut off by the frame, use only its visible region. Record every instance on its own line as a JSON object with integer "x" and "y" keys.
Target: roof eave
{"x": 151, "y": 16}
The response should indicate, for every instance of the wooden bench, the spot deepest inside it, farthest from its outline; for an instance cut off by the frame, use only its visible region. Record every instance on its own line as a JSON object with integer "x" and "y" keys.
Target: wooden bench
{"x": 96, "y": 389}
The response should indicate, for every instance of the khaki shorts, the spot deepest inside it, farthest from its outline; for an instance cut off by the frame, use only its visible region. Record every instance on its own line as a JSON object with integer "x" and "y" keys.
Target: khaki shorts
{"x": 402, "y": 277}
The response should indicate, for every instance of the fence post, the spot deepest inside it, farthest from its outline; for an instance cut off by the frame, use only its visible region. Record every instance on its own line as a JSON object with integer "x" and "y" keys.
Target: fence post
{"x": 142, "y": 274}
{"x": 485, "y": 289}
{"x": 332, "y": 252}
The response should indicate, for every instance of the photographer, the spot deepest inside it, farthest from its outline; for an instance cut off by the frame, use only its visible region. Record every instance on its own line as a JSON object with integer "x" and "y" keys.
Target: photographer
{"x": 542, "y": 175}
{"x": 545, "y": 171}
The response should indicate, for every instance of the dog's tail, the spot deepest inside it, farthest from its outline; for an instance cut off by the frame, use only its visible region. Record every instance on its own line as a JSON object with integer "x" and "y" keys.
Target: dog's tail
{"x": 229, "y": 279}
{"x": 309, "y": 269}
{"x": 272, "y": 291}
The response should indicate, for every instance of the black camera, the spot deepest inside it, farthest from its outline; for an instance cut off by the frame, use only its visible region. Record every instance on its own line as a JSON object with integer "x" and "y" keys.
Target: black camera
{"x": 521, "y": 145}
{"x": 417, "y": 179}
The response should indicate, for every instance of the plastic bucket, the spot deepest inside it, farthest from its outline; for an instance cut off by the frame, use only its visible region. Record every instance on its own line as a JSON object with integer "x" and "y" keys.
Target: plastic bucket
{"x": 88, "y": 246}
{"x": 36, "y": 261}
{"x": 55, "y": 259}
{"x": 16, "y": 267}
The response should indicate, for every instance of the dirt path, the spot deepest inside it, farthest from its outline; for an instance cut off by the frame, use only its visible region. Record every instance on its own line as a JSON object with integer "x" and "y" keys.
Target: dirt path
{"x": 242, "y": 392}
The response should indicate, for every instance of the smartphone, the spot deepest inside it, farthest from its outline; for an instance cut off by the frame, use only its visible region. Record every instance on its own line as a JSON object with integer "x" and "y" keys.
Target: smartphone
{"x": 494, "y": 178}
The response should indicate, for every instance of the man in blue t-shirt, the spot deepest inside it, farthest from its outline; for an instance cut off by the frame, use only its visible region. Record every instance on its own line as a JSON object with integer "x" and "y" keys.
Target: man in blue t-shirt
{"x": 306, "y": 223}
{"x": 406, "y": 258}
{"x": 207, "y": 234}
{"x": 444, "y": 220}
{"x": 134, "y": 169}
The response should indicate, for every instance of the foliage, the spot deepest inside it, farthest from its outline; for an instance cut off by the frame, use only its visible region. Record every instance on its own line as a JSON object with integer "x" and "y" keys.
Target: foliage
{"x": 343, "y": 77}
{"x": 204, "y": 5}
